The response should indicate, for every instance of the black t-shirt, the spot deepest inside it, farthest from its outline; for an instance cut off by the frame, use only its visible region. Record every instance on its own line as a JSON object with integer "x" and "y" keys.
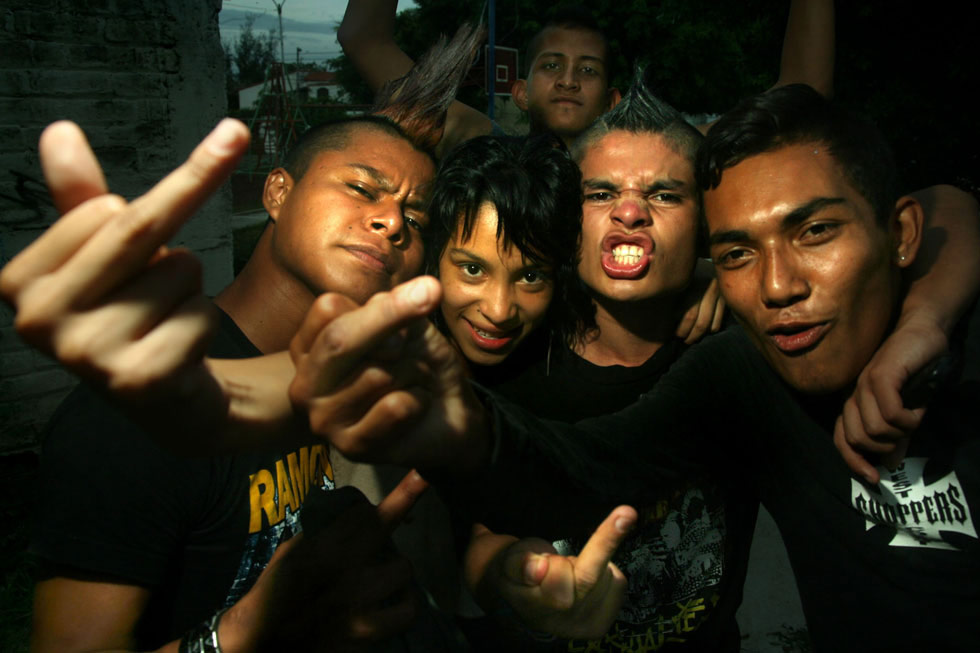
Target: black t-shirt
{"x": 895, "y": 567}
{"x": 686, "y": 561}
{"x": 197, "y": 532}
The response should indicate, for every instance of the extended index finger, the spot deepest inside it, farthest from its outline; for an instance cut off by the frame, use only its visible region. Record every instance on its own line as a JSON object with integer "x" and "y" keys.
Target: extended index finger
{"x": 342, "y": 344}
{"x": 130, "y": 239}
{"x": 599, "y": 550}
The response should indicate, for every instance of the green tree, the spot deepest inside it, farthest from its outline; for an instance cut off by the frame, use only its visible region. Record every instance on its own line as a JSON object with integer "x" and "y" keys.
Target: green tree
{"x": 908, "y": 70}
{"x": 248, "y": 59}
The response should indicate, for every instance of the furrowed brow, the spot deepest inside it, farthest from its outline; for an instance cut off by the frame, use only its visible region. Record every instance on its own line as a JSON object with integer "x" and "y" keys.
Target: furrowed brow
{"x": 666, "y": 184}
{"x": 597, "y": 183}
{"x": 379, "y": 177}
{"x": 415, "y": 202}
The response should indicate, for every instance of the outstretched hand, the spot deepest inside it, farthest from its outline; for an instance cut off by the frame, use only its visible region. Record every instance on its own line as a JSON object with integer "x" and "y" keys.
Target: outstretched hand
{"x": 382, "y": 384}
{"x": 568, "y": 596}
{"x": 99, "y": 291}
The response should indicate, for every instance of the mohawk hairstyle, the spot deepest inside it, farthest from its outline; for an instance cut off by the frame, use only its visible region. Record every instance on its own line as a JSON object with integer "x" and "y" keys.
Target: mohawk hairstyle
{"x": 412, "y": 107}
{"x": 418, "y": 102}
{"x": 640, "y": 111}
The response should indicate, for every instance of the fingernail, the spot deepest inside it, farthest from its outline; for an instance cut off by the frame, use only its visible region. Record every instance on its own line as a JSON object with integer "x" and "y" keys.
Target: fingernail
{"x": 532, "y": 569}
{"x": 224, "y": 139}
{"x": 623, "y": 524}
{"x": 419, "y": 294}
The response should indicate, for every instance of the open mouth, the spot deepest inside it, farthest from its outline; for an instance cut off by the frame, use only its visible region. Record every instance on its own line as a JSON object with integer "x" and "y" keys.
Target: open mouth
{"x": 627, "y": 254}
{"x": 494, "y": 339}
{"x": 626, "y": 259}
{"x": 795, "y": 339}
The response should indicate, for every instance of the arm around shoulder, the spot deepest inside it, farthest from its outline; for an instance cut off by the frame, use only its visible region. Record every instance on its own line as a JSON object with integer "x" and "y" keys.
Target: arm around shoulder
{"x": 944, "y": 279}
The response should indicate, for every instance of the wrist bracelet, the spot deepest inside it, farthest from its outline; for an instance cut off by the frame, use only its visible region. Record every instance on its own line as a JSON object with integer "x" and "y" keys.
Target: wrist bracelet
{"x": 203, "y": 638}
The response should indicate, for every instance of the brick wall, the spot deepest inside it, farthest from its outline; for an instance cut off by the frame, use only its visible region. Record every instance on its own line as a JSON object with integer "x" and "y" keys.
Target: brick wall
{"x": 145, "y": 80}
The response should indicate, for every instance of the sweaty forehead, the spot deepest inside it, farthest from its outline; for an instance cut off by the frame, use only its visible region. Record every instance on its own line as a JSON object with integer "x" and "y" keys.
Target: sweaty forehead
{"x": 625, "y": 154}
{"x": 774, "y": 183}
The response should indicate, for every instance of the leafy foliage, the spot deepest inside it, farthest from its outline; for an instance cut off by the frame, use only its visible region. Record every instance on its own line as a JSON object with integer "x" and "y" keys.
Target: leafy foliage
{"x": 247, "y": 60}
{"x": 909, "y": 70}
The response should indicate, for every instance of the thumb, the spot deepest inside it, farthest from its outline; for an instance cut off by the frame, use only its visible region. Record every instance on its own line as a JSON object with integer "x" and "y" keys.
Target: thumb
{"x": 599, "y": 550}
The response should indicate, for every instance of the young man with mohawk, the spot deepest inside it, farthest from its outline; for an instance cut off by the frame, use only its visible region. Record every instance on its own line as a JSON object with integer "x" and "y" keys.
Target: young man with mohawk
{"x": 814, "y": 249}
{"x": 567, "y": 65}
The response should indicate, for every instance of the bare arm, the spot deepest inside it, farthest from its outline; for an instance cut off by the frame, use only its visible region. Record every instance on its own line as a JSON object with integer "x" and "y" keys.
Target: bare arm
{"x": 808, "y": 46}
{"x": 85, "y": 615}
{"x": 943, "y": 282}
{"x": 332, "y": 590}
{"x": 945, "y": 276}
{"x": 367, "y": 36}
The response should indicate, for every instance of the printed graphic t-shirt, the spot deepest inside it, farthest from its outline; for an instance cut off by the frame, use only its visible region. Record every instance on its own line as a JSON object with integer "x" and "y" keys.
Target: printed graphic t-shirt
{"x": 686, "y": 561}
{"x": 196, "y": 532}
{"x": 890, "y": 567}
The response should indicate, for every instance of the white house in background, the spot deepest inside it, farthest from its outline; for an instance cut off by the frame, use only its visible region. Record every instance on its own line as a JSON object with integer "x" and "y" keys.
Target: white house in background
{"x": 312, "y": 85}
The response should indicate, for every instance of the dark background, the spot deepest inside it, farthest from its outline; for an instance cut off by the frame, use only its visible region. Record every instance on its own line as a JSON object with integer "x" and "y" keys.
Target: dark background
{"x": 908, "y": 66}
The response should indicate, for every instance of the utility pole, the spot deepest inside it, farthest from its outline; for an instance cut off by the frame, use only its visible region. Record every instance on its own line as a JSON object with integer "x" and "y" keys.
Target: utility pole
{"x": 491, "y": 57}
{"x": 282, "y": 48}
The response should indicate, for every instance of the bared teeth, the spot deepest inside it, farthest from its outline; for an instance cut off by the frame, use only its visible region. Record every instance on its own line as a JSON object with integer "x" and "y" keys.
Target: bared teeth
{"x": 627, "y": 254}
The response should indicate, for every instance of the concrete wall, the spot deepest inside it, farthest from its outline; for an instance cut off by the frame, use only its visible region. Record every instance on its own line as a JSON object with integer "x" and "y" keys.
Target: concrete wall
{"x": 145, "y": 79}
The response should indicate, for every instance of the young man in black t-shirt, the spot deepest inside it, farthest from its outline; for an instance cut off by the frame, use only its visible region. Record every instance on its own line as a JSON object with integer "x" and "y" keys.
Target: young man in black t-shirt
{"x": 138, "y": 544}
{"x": 142, "y": 544}
{"x": 809, "y": 244}
{"x": 686, "y": 561}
